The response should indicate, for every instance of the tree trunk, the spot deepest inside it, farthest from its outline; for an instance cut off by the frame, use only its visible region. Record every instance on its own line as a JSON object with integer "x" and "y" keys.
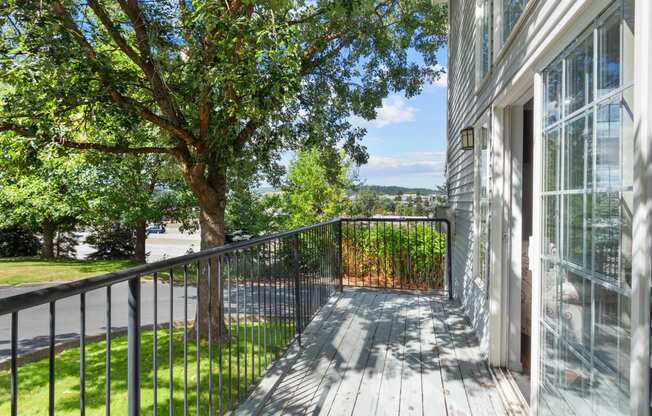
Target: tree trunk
{"x": 141, "y": 236}
{"x": 49, "y": 230}
{"x": 212, "y": 202}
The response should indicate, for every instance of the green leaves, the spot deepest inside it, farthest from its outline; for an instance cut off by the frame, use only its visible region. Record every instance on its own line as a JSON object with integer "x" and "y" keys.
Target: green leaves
{"x": 222, "y": 85}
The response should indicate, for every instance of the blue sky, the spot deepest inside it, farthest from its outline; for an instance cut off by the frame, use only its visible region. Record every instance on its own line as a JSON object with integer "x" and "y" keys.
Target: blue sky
{"x": 407, "y": 141}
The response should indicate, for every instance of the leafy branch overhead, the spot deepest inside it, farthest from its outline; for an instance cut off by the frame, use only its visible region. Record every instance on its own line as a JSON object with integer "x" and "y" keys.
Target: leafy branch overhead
{"x": 226, "y": 85}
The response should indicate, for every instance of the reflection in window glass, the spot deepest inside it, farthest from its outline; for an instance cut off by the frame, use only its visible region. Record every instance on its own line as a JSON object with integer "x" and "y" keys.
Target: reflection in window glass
{"x": 576, "y": 309}
{"x": 575, "y": 381}
{"x": 587, "y": 202}
{"x": 485, "y": 213}
{"x": 609, "y": 55}
{"x": 551, "y": 159}
{"x": 579, "y": 76}
{"x": 574, "y": 229}
{"x": 606, "y": 226}
{"x": 485, "y": 36}
{"x": 512, "y": 10}
{"x": 550, "y": 287}
{"x": 551, "y": 401}
{"x": 612, "y": 351}
{"x": 607, "y": 147}
{"x": 579, "y": 137}
{"x": 551, "y": 215}
{"x": 552, "y": 94}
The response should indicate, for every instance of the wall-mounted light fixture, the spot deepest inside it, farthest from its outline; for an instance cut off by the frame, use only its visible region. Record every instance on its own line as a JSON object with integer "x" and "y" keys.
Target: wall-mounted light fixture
{"x": 466, "y": 136}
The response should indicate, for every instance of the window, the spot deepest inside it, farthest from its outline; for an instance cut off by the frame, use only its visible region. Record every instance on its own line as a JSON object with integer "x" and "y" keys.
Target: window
{"x": 587, "y": 200}
{"x": 486, "y": 26}
{"x": 483, "y": 202}
{"x": 512, "y": 10}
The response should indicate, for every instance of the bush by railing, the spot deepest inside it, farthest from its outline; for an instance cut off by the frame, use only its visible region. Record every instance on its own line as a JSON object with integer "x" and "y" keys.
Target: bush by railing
{"x": 402, "y": 253}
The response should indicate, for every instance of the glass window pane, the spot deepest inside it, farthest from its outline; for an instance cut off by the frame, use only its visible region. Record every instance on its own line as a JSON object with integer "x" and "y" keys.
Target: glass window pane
{"x": 607, "y": 146}
{"x": 550, "y": 287}
{"x": 611, "y": 349}
{"x": 576, "y": 311}
{"x": 552, "y": 80}
{"x": 574, "y": 229}
{"x": 626, "y": 218}
{"x": 606, "y": 226}
{"x": 577, "y": 152}
{"x": 627, "y": 135}
{"x": 575, "y": 381}
{"x": 628, "y": 52}
{"x": 512, "y": 10}
{"x": 579, "y": 76}
{"x": 551, "y": 401}
{"x": 609, "y": 54}
{"x": 486, "y": 36}
{"x": 550, "y": 220}
{"x": 551, "y": 160}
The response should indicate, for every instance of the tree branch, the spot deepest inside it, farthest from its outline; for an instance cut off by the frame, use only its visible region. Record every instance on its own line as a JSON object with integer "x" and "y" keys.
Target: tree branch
{"x": 127, "y": 103}
{"x": 27, "y": 132}
{"x": 159, "y": 87}
{"x": 245, "y": 134}
{"x": 110, "y": 27}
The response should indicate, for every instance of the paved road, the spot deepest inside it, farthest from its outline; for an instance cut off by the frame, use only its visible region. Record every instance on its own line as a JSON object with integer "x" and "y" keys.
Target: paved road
{"x": 159, "y": 246}
{"x": 33, "y": 324}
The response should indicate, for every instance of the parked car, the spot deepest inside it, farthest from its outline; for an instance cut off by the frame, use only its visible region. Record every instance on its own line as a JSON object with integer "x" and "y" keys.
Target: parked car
{"x": 156, "y": 229}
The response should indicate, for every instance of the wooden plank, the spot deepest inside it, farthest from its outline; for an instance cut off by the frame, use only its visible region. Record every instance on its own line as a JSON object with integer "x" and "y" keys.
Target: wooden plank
{"x": 411, "y": 403}
{"x": 457, "y": 402}
{"x": 368, "y": 394}
{"x": 327, "y": 391}
{"x": 480, "y": 386}
{"x": 313, "y": 383}
{"x": 267, "y": 386}
{"x": 434, "y": 397}
{"x": 476, "y": 387}
{"x": 390, "y": 385}
{"x": 354, "y": 371}
{"x": 314, "y": 339}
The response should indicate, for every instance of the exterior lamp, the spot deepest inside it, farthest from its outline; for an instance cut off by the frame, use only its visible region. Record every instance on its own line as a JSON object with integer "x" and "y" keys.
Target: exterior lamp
{"x": 467, "y": 138}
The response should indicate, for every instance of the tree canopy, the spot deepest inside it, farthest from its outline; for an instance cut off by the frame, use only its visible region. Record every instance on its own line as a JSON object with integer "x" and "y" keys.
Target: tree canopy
{"x": 225, "y": 85}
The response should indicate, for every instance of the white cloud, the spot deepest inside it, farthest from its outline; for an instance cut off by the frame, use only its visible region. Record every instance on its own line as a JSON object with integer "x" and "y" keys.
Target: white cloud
{"x": 395, "y": 109}
{"x": 424, "y": 169}
{"x": 425, "y": 163}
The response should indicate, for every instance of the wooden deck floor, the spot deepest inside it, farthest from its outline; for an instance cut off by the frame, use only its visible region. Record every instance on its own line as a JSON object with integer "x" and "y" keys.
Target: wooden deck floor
{"x": 381, "y": 353}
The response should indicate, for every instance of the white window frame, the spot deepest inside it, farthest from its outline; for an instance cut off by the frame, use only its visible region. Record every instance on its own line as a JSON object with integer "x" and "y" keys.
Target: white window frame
{"x": 484, "y": 122}
{"x": 501, "y": 41}
{"x": 480, "y": 9}
{"x": 640, "y": 371}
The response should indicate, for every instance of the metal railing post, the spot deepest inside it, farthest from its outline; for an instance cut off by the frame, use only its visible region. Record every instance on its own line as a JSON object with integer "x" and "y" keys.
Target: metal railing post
{"x": 340, "y": 256}
{"x": 296, "y": 265}
{"x": 133, "y": 348}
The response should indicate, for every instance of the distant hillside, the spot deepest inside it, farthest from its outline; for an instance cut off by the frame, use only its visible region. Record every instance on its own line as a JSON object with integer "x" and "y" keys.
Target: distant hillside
{"x": 395, "y": 190}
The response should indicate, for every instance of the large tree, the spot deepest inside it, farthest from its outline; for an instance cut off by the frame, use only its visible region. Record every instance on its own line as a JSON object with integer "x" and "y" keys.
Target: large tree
{"x": 229, "y": 84}
{"x": 40, "y": 191}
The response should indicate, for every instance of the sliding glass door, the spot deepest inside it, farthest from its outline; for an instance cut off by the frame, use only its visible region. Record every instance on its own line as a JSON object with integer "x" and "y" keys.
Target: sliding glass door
{"x": 586, "y": 225}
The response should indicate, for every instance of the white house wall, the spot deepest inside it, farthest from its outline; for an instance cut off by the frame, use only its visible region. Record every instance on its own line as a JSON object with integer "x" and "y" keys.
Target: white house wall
{"x": 537, "y": 38}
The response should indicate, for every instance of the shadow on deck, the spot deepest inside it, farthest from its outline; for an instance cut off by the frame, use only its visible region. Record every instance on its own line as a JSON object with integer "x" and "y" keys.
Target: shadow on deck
{"x": 381, "y": 353}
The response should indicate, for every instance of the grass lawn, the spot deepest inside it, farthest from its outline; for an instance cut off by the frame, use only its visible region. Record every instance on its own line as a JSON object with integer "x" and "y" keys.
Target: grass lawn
{"x": 33, "y": 377}
{"x": 37, "y": 270}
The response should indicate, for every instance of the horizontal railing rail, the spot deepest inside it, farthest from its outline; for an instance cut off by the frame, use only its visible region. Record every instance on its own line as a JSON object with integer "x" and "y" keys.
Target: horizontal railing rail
{"x": 201, "y": 329}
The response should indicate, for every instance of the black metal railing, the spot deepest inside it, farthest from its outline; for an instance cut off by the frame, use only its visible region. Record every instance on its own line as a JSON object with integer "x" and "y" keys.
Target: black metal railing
{"x": 397, "y": 253}
{"x": 193, "y": 334}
